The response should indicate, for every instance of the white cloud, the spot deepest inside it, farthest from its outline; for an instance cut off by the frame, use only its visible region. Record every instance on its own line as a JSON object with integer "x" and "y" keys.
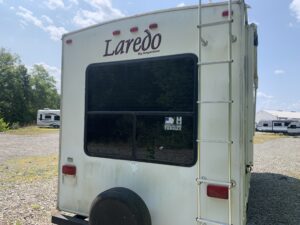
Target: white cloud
{"x": 75, "y": 2}
{"x": 295, "y": 8}
{"x": 279, "y": 72}
{"x": 55, "y": 32}
{"x": 54, "y": 4}
{"x": 294, "y": 106}
{"x": 28, "y": 16}
{"x": 102, "y": 11}
{"x": 47, "y": 19}
{"x": 23, "y": 24}
{"x": 181, "y": 4}
{"x": 263, "y": 95}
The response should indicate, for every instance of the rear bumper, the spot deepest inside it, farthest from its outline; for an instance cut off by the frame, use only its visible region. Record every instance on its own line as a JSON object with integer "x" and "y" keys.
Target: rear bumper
{"x": 61, "y": 219}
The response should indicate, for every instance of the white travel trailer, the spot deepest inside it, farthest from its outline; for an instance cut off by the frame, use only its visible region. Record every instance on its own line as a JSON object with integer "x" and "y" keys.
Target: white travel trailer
{"x": 164, "y": 121}
{"x": 48, "y": 118}
{"x": 294, "y": 128}
{"x": 276, "y": 126}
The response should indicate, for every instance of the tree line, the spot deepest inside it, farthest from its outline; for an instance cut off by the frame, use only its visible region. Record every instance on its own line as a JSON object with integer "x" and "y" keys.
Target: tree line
{"x": 23, "y": 92}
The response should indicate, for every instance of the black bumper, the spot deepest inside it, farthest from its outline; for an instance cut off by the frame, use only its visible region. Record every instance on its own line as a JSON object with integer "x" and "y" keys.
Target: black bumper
{"x": 61, "y": 219}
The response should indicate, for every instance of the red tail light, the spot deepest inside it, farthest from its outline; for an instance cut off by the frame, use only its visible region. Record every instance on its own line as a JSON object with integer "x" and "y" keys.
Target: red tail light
{"x": 69, "y": 169}
{"x": 216, "y": 191}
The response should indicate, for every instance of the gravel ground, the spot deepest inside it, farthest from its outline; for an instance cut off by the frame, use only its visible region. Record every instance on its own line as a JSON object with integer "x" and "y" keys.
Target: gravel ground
{"x": 28, "y": 203}
{"x": 274, "y": 195}
{"x": 275, "y": 185}
{"x": 12, "y": 146}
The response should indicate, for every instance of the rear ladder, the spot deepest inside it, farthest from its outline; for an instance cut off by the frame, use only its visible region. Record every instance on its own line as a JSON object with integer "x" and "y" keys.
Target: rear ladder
{"x": 202, "y": 178}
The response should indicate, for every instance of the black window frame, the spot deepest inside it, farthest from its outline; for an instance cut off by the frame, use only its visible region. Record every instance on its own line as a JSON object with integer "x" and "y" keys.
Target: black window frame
{"x": 194, "y": 113}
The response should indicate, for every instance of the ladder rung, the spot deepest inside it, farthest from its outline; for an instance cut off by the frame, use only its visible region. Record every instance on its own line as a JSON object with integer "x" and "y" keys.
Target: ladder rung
{"x": 215, "y": 23}
{"x": 215, "y": 141}
{"x": 215, "y": 62}
{"x": 215, "y": 102}
{"x": 206, "y": 221}
{"x": 207, "y": 181}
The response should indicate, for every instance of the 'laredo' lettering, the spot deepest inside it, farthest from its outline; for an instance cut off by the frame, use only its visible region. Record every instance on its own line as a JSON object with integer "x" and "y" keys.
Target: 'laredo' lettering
{"x": 148, "y": 42}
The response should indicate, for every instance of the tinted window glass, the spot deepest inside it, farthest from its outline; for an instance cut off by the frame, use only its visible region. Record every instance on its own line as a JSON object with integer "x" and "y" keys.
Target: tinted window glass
{"x": 165, "y": 139}
{"x": 143, "y": 110}
{"x": 56, "y": 117}
{"x": 162, "y": 85}
{"x": 109, "y": 135}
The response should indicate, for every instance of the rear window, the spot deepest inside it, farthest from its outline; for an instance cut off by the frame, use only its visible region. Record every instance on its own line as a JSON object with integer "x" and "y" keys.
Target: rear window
{"x": 48, "y": 117}
{"x": 277, "y": 124}
{"x": 143, "y": 110}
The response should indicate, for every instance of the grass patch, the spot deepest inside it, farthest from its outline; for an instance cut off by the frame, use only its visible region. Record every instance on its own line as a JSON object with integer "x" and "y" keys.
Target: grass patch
{"x": 261, "y": 137}
{"x": 32, "y": 130}
{"x": 28, "y": 169}
{"x": 35, "y": 206}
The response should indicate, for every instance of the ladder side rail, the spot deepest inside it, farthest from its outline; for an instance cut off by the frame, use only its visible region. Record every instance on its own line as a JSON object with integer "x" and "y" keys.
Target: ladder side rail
{"x": 199, "y": 107}
{"x": 229, "y": 110}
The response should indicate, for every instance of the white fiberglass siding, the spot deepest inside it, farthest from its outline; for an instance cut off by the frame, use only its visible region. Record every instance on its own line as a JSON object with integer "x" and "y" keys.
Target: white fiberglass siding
{"x": 170, "y": 192}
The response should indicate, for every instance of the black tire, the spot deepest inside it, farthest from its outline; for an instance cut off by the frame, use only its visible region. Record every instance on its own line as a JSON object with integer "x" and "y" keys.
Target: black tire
{"x": 119, "y": 206}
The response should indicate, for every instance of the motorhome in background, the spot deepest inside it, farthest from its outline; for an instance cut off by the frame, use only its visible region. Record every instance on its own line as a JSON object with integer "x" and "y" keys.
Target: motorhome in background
{"x": 48, "y": 118}
{"x": 276, "y": 126}
{"x": 158, "y": 118}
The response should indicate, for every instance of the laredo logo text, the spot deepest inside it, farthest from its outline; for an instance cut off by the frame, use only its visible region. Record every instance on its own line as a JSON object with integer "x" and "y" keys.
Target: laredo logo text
{"x": 139, "y": 45}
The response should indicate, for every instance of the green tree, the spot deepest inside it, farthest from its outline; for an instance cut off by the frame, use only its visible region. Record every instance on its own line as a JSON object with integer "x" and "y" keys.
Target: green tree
{"x": 23, "y": 93}
{"x": 14, "y": 88}
{"x": 43, "y": 90}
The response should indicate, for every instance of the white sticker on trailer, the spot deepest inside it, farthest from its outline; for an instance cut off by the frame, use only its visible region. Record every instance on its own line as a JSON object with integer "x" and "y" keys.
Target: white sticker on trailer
{"x": 173, "y": 123}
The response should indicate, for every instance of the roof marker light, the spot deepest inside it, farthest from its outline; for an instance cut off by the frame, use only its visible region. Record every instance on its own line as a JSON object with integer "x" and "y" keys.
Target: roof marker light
{"x": 226, "y": 13}
{"x": 69, "y": 170}
{"x": 116, "y": 32}
{"x": 134, "y": 29}
{"x": 153, "y": 26}
{"x": 217, "y": 191}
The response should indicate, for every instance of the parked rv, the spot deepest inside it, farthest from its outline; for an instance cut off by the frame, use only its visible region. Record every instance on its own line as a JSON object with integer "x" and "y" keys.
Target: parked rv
{"x": 275, "y": 126}
{"x": 158, "y": 118}
{"x": 294, "y": 128}
{"x": 48, "y": 118}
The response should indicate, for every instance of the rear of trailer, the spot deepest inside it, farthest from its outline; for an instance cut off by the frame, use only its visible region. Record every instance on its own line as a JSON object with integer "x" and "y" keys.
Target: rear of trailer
{"x": 164, "y": 121}
{"x": 294, "y": 128}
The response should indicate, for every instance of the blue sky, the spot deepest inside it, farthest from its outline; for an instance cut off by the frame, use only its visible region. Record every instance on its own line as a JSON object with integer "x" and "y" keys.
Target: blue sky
{"x": 32, "y": 29}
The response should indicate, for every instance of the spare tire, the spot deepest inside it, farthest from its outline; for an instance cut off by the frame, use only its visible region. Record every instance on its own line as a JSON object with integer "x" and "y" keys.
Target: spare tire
{"x": 119, "y": 206}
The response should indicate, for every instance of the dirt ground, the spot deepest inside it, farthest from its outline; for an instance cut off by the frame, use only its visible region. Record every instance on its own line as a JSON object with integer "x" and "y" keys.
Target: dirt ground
{"x": 28, "y": 180}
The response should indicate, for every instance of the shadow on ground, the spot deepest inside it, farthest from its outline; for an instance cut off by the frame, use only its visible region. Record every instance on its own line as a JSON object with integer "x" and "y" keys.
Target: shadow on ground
{"x": 274, "y": 200}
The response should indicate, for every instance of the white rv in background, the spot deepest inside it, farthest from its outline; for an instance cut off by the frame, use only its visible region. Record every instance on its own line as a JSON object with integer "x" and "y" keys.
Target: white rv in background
{"x": 276, "y": 126}
{"x": 158, "y": 118}
{"x": 48, "y": 118}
